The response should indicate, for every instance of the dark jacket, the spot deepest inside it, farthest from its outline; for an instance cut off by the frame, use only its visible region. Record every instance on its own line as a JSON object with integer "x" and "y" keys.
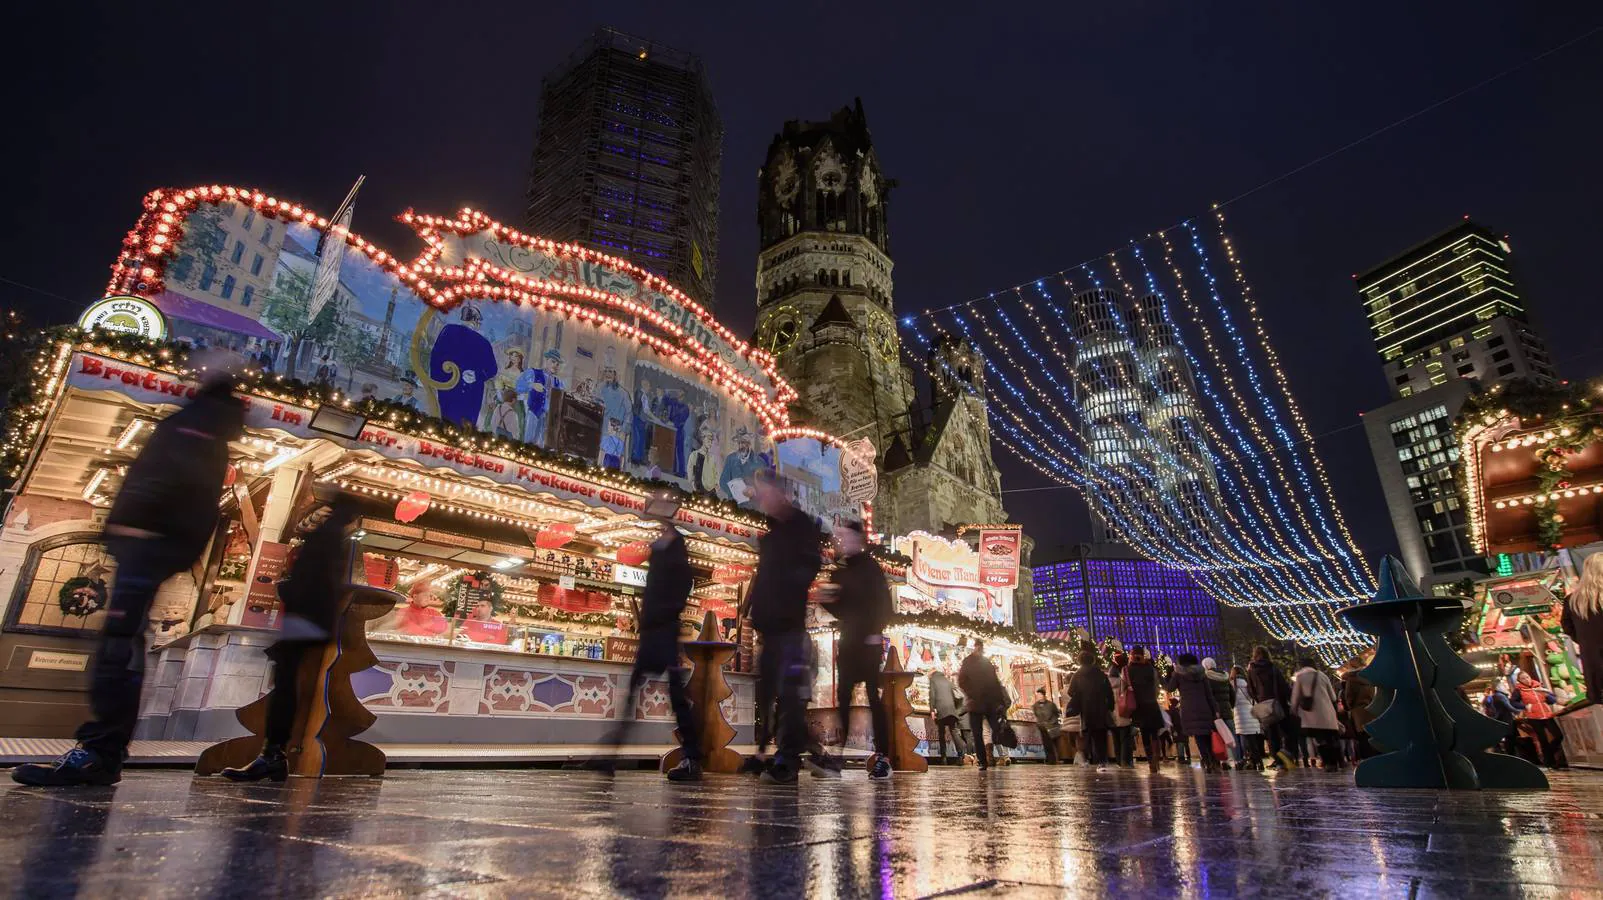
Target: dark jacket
{"x": 863, "y": 604}
{"x": 1093, "y": 698}
{"x": 788, "y": 559}
{"x": 1219, "y": 683}
{"x": 668, "y": 582}
{"x": 1197, "y": 707}
{"x": 943, "y": 699}
{"x": 316, "y": 579}
{"x": 1143, "y": 680}
{"x": 1587, "y": 632}
{"x": 172, "y": 488}
{"x": 982, "y": 689}
{"x": 1265, "y": 682}
{"x": 1498, "y": 707}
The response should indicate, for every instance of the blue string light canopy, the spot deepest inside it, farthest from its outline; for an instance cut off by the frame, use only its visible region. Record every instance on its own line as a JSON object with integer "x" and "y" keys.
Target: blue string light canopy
{"x": 1146, "y": 380}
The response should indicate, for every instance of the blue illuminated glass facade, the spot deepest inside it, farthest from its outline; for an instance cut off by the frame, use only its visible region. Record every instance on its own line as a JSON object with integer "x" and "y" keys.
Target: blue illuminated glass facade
{"x": 1134, "y": 600}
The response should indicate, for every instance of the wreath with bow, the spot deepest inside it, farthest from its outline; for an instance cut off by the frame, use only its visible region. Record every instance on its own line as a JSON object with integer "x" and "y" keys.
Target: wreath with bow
{"x": 82, "y": 596}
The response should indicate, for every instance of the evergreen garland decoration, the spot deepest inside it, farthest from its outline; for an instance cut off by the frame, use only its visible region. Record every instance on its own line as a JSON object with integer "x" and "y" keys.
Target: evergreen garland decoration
{"x": 82, "y": 596}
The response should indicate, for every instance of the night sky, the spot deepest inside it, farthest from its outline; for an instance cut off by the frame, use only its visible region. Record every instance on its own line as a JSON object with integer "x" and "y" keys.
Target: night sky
{"x": 1023, "y": 143}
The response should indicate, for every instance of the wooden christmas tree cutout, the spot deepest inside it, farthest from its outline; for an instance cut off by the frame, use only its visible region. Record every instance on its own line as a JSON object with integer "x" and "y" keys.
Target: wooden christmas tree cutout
{"x": 902, "y": 745}
{"x": 708, "y": 690}
{"x": 328, "y": 714}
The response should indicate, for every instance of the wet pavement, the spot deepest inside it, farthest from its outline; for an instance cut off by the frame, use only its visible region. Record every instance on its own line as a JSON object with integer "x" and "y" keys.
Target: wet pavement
{"x": 1026, "y": 830}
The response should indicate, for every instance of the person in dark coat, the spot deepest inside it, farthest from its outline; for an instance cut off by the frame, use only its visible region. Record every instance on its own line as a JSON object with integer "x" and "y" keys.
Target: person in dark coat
{"x": 162, "y": 520}
{"x": 788, "y": 559}
{"x": 1198, "y": 709}
{"x": 1498, "y": 706}
{"x": 310, "y": 596}
{"x": 861, "y": 601}
{"x": 667, "y": 591}
{"x": 1582, "y": 620}
{"x": 1265, "y": 682}
{"x": 986, "y": 699}
{"x": 1092, "y": 695}
{"x": 946, "y": 712}
{"x": 1142, "y": 677}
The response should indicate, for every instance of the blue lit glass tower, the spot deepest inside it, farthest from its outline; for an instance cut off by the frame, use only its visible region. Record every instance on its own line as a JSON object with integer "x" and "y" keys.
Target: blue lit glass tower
{"x": 1118, "y": 595}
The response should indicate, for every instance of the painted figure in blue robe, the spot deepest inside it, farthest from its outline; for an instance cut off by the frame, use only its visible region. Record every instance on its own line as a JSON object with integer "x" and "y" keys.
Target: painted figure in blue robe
{"x": 612, "y": 445}
{"x": 537, "y": 385}
{"x": 690, "y": 433}
{"x": 614, "y": 408}
{"x": 642, "y": 424}
{"x": 677, "y": 412}
{"x": 735, "y": 480}
{"x": 463, "y": 359}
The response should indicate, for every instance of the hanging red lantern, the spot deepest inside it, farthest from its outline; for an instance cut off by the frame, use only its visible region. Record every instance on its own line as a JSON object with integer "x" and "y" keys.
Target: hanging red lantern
{"x": 555, "y": 535}
{"x": 634, "y": 553}
{"x": 413, "y": 505}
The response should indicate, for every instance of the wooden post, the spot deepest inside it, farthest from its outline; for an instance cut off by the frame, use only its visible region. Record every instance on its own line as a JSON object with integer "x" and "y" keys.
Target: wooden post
{"x": 903, "y": 746}
{"x": 327, "y": 713}
{"x": 708, "y": 690}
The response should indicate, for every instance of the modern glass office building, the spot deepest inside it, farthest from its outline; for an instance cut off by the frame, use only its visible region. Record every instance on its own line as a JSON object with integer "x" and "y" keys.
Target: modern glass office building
{"x": 1136, "y": 601}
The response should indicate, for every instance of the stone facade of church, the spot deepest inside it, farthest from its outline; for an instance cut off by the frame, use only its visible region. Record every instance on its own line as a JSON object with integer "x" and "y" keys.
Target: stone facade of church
{"x": 825, "y": 310}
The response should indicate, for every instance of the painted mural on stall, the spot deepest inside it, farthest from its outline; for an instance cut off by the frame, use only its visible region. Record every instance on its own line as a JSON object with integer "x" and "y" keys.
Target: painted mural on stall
{"x": 504, "y": 369}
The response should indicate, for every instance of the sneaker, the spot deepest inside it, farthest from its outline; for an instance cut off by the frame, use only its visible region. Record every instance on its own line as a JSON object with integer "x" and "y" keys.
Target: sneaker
{"x": 75, "y": 767}
{"x": 822, "y": 765}
{"x": 687, "y": 770}
{"x": 781, "y": 772}
{"x": 754, "y": 765}
{"x": 1101, "y": 768}
{"x": 880, "y": 770}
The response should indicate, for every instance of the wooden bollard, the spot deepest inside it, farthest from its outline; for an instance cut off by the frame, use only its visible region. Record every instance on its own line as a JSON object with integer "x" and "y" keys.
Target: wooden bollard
{"x": 328, "y": 715}
{"x": 903, "y": 745}
{"x": 708, "y": 690}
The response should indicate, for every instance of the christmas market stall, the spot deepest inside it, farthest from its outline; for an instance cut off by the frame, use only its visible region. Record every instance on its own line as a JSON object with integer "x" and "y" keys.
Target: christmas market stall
{"x": 1533, "y": 458}
{"x": 502, "y": 405}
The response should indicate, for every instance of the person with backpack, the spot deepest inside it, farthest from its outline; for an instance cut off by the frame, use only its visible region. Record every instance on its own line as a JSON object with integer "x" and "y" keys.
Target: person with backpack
{"x": 1123, "y": 708}
{"x": 946, "y": 710}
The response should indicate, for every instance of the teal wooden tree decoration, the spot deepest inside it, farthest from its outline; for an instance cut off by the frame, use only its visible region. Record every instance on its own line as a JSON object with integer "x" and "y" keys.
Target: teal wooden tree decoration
{"x": 1431, "y": 736}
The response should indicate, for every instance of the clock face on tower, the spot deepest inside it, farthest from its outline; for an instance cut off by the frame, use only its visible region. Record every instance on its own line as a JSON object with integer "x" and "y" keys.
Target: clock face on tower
{"x": 831, "y": 177}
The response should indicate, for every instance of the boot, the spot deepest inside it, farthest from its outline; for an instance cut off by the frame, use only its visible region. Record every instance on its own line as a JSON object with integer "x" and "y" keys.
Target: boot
{"x": 1152, "y": 764}
{"x": 271, "y": 764}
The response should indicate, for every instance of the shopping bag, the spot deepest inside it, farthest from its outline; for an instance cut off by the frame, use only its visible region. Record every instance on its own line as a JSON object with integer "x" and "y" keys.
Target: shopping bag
{"x": 1268, "y": 711}
{"x": 1222, "y": 734}
{"x": 1006, "y": 736}
{"x": 1219, "y": 748}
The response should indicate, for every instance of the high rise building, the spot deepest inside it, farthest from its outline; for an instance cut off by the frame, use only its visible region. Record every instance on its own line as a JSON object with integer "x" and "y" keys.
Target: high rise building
{"x": 627, "y": 156}
{"x": 1111, "y": 592}
{"x": 1136, "y": 399}
{"x": 824, "y": 309}
{"x": 1448, "y": 317}
{"x": 1451, "y": 308}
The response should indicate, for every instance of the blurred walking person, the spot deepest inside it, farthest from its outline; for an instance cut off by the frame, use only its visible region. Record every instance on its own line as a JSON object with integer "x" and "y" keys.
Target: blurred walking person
{"x": 1092, "y": 696}
{"x": 1141, "y": 678}
{"x": 310, "y": 595}
{"x": 667, "y": 592}
{"x": 162, "y": 520}
{"x": 946, "y": 711}
{"x": 1224, "y": 700}
{"x": 1536, "y": 709}
{"x": 788, "y": 559}
{"x": 860, "y": 600}
{"x": 987, "y": 701}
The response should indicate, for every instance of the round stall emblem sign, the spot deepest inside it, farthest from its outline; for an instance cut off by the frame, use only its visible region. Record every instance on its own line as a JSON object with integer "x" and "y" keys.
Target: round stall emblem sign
{"x": 130, "y": 315}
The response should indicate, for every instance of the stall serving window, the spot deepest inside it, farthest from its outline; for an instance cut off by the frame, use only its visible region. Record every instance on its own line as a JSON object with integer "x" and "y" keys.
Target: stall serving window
{"x": 64, "y": 587}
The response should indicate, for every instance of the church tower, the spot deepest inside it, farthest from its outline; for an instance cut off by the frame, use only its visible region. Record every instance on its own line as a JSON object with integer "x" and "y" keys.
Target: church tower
{"x": 824, "y": 278}
{"x": 824, "y": 310}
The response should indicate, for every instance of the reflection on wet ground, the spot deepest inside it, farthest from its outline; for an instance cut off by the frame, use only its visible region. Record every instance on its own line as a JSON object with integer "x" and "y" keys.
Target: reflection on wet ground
{"x": 1023, "y": 830}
